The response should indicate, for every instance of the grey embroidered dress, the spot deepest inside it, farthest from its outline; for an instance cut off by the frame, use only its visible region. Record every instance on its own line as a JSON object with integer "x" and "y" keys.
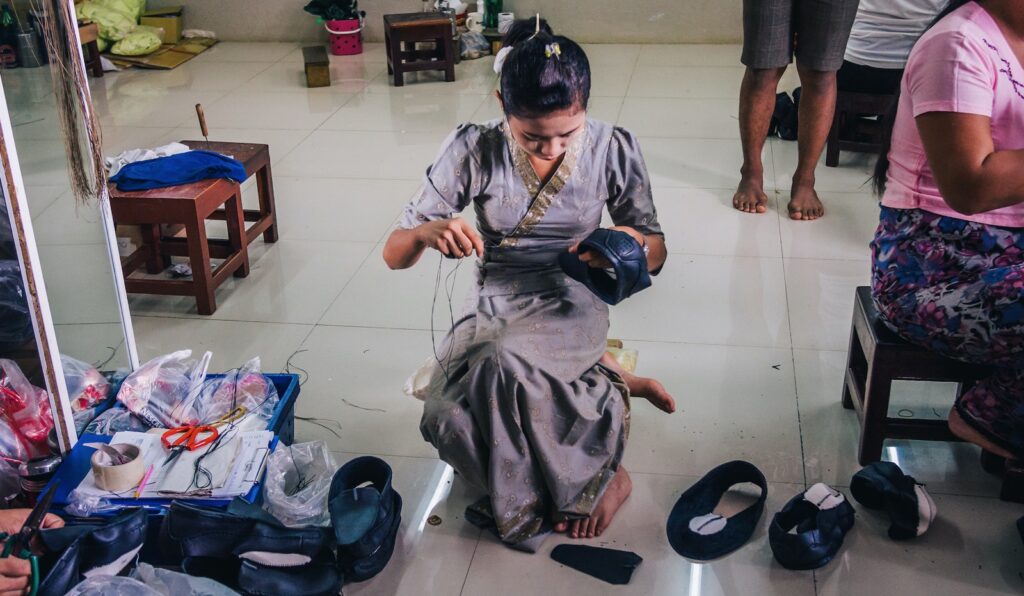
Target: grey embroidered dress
{"x": 521, "y": 408}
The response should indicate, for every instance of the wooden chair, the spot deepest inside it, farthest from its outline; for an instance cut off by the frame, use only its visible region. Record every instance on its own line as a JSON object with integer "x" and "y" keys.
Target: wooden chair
{"x": 405, "y": 33}
{"x": 89, "y": 34}
{"x": 848, "y": 120}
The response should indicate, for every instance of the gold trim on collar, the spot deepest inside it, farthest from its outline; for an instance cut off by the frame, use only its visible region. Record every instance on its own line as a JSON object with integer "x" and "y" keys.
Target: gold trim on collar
{"x": 542, "y": 195}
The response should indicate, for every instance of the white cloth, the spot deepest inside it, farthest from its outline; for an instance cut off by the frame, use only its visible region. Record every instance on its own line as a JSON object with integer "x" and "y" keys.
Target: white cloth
{"x": 114, "y": 164}
{"x": 885, "y": 31}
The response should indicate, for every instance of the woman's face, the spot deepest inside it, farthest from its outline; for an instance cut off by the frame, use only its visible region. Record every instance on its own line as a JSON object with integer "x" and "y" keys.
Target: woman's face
{"x": 547, "y": 137}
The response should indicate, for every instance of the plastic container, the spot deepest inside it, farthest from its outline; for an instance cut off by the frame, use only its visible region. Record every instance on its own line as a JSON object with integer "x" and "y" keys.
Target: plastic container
{"x": 346, "y": 37}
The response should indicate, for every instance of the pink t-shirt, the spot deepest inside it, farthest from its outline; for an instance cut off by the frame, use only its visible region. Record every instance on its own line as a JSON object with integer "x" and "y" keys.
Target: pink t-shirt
{"x": 964, "y": 65}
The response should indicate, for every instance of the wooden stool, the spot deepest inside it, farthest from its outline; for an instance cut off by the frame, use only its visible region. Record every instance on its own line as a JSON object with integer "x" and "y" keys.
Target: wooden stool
{"x": 89, "y": 34}
{"x": 255, "y": 158}
{"x": 189, "y": 205}
{"x": 402, "y": 32}
{"x": 877, "y": 357}
{"x": 850, "y": 107}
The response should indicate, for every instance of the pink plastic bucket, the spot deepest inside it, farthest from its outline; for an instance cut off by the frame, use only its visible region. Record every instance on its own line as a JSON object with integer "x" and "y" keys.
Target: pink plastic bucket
{"x": 346, "y": 37}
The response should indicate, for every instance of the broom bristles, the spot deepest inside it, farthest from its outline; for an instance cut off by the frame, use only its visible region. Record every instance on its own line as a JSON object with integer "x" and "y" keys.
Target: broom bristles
{"x": 75, "y": 113}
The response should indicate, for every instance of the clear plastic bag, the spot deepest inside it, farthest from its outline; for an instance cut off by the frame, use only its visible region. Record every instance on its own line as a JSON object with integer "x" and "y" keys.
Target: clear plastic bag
{"x": 297, "y": 484}
{"x": 162, "y": 391}
{"x": 172, "y": 583}
{"x": 26, "y": 408}
{"x": 114, "y": 421}
{"x": 86, "y": 386}
{"x": 106, "y": 585}
{"x": 83, "y": 505}
{"x": 246, "y": 387}
{"x": 474, "y": 45}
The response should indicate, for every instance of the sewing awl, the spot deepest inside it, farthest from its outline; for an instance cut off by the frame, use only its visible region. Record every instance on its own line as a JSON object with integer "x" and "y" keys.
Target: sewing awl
{"x": 202, "y": 123}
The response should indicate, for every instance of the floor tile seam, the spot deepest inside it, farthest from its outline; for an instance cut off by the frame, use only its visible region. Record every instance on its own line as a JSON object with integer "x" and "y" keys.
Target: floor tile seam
{"x": 792, "y": 356}
{"x": 629, "y": 83}
{"x": 197, "y": 317}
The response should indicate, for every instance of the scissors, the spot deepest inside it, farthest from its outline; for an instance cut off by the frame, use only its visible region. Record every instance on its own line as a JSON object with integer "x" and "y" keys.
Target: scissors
{"x": 196, "y": 436}
{"x": 17, "y": 545}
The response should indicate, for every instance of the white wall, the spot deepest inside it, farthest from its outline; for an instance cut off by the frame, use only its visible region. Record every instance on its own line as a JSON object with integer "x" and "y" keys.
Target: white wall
{"x": 594, "y": 21}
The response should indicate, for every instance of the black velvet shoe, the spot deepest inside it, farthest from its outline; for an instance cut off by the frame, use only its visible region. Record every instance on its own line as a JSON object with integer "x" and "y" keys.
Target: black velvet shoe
{"x": 107, "y": 548}
{"x": 365, "y": 518}
{"x": 319, "y": 577}
{"x": 819, "y": 519}
{"x": 883, "y": 485}
{"x": 194, "y": 531}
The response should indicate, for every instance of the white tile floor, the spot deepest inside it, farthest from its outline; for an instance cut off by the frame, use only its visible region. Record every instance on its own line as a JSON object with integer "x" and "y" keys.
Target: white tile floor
{"x": 747, "y": 326}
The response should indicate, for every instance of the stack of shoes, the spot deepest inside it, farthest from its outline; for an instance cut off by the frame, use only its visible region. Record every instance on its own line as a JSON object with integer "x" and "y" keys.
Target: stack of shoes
{"x": 249, "y": 550}
{"x": 883, "y": 486}
{"x": 809, "y": 530}
{"x": 90, "y": 550}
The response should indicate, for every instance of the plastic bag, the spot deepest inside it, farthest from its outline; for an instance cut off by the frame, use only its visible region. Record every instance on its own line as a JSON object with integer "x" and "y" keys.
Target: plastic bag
{"x": 246, "y": 387}
{"x": 26, "y": 408}
{"x": 137, "y": 43}
{"x": 297, "y": 484}
{"x": 112, "y": 25}
{"x": 162, "y": 391}
{"x": 86, "y": 386}
{"x": 172, "y": 583}
{"x": 106, "y": 585}
{"x": 114, "y": 421}
{"x": 474, "y": 45}
{"x": 132, "y": 9}
{"x": 15, "y": 321}
{"x": 85, "y": 505}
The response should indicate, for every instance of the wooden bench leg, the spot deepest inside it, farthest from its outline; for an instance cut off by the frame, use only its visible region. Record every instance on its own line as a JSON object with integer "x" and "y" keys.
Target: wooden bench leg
{"x": 1013, "y": 482}
{"x": 265, "y": 188}
{"x": 395, "y": 47}
{"x": 237, "y": 239}
{"x": 199, "y": 258}
{"x": 155, "y": 261}
{"x": 449, "y": 59}
{"x": 876, "y": 410}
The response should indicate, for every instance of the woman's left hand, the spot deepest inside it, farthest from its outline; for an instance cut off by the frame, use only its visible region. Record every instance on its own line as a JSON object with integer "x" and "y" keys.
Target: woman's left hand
{"x": 597, "y": 261}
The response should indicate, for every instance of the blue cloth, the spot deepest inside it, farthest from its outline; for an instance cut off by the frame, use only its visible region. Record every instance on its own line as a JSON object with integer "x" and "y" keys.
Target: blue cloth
{"x": 183, "y": 168}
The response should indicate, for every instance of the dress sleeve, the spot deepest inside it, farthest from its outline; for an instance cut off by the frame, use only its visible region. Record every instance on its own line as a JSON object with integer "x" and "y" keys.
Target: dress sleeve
{"x": 630, "y": 202}
{"x": 446, "y": 184}
{"x": 951, "y": 71}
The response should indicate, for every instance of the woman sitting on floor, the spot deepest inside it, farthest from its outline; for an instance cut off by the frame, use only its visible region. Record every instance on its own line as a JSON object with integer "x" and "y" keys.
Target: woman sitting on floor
{"x": 526, "y": 405}
{"x": 948, "y": 265}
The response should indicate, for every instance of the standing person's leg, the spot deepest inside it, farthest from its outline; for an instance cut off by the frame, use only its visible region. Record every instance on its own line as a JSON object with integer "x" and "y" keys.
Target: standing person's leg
{"x": 823, "y": 28}
{"x": 767, "y": 50}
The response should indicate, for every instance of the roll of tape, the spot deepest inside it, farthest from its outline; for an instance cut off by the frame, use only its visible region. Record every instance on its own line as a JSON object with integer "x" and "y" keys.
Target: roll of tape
{"x": 117, "y": 478}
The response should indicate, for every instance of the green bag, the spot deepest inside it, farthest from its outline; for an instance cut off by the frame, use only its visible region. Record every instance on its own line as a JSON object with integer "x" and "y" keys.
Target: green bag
{"x": 137, "y": 43}
{"x": 113, "y": 25}
{"x": 132, "y": 9}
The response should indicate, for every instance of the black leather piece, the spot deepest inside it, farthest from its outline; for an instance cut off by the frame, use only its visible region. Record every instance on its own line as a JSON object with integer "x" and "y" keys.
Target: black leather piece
{"x": 93, "y": 547}
{"x": 701, "y": 499}
{"x": 623, "y": 252}
{"x": 883, "y": 485}
{"x": 363, "y": 557}
{"x": 218, "y": 569}
{"x": 613, "y": 566}
{"x": 195, "y": 531}
{"x": 318, "y": 578}
{"x": 818, "y": 537}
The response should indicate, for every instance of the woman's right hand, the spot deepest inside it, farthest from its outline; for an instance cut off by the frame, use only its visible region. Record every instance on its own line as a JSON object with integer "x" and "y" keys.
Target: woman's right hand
{"x": 452, "y": 237}
{"x": 15, "y": 575}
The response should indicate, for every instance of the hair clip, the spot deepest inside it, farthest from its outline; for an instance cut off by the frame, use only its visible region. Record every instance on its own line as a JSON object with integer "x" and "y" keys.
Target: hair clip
{"x": 553, "y": 49}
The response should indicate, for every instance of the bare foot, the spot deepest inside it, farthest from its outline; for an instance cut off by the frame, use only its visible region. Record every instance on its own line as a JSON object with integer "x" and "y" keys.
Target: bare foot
{"x": 750, "y": 196}
{"x": 644, "y": 387}
{"x": 804, "y": 203}
{"x": 965, "y": 431}
{"x": 614, "y": 496}
{"x": 561, "y": 526}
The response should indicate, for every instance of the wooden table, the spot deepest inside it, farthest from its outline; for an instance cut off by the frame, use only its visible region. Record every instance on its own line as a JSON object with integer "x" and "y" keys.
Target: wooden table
{"x": 255, "y": 157}
{"x": 189, "y": 205}
{"x": 402, "y": 32}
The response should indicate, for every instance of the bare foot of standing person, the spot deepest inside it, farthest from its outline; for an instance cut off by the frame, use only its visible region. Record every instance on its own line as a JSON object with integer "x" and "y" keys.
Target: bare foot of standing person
{"x": 804, "y": 203}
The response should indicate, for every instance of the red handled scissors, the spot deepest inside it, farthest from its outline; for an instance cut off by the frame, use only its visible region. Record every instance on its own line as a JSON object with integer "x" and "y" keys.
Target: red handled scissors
{"x": 196, "y": 436}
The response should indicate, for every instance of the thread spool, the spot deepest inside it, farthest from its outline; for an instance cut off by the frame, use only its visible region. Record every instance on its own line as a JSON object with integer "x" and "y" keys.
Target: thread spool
{"x": 118, "y": 478}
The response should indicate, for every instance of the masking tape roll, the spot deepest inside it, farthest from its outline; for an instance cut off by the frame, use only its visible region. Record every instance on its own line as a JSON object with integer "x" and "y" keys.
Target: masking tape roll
{"x": 121, "y": 477}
